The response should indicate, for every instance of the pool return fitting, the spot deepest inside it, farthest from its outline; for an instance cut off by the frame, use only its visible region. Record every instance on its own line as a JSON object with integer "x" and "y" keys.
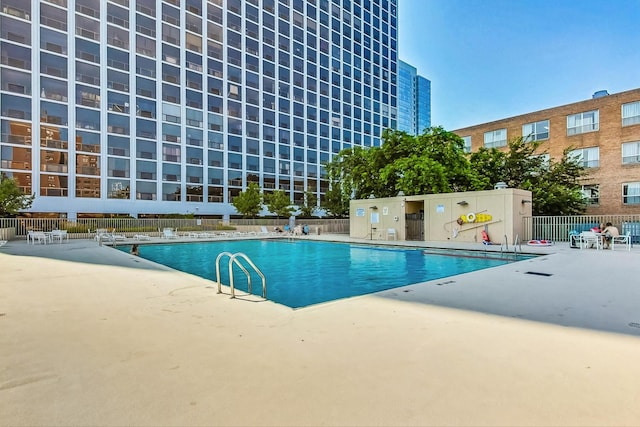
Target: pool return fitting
{"x": 233, "y": 259}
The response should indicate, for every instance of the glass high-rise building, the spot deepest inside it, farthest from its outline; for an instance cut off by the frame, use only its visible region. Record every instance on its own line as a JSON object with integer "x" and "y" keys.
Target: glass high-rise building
{"x": 414, "y": 100}
{"x": 152, "y": 107}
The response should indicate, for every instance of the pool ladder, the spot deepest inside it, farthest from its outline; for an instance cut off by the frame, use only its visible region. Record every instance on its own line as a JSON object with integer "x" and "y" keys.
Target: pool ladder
{"x": 233, "y": 259}
{"x": 517, "y": 245}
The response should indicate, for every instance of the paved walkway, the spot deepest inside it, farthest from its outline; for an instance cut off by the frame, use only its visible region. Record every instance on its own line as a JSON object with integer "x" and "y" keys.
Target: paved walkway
{"x": 94, "y": 336}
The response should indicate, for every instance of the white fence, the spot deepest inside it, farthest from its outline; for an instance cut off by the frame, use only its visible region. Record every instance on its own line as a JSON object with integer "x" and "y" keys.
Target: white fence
{"x": 11, "y": 228}
{"x": 557, "y": 228}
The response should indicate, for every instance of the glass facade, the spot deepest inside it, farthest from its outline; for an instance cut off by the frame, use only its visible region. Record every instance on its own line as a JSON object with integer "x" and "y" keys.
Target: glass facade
{"x": 414, "y": 100}
{"x": 152, "y": 106}
{"x": 423, "y": 104}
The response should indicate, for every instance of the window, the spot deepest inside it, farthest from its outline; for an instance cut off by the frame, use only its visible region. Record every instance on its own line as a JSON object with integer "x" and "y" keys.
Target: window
{"x": 631, "y": 193}
{"x": 587, "y": 157}
{"x": 583, "y": 122}
{"x": 544, "y": 159}
{"x": 467, "y": 144}
{"x": 631, "y": 152}
{"x": 495, "y": 138}
{"x": 631, "y": 113}
{"x": 591, "y": 194}
{"x": 537, "y": 131}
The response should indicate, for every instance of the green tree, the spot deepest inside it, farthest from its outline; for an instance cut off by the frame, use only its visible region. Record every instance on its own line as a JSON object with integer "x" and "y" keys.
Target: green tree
{"x": 433, "y": 162}
{"x": 335, "y": 202}
{"x": 12, "y": 199}
{"x": 279, "y": 203}
{"x": 309, "y": 207}
{"x": 520, "y": 164}
{"x": 555, "y": 186}
{"x": 355, "y": 171}
{"x": 248, "y": 202}
{"x": 558, "y": 190}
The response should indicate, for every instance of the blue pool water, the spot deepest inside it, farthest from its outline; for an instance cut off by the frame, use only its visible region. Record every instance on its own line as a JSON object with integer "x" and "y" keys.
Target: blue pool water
{"x": 303, "y": 272}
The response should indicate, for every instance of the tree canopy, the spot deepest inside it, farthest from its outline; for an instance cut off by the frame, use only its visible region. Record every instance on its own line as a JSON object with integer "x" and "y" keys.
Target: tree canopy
{"x": 309, "y": 206}
{"x": 12, "y": 199}
{"x": 435, "y": 162}
{"x": 555, "y": 185}
{"x": 279, "y": 203}
{"x": 335, "y": 203}
{"x": 249, "y": 202}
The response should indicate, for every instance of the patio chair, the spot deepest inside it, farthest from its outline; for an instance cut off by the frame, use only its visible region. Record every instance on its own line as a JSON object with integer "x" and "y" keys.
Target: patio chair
{"x": 40, "y": 236}
{"x": 59, "y": 235}
{"x": 391, "y": 232}
{"x": 623, "y": 239}
{"x": 2, "y": 243}
{"x": 590, "y": 239}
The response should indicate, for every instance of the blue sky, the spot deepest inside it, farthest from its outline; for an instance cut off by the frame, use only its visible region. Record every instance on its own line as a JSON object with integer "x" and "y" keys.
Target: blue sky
{"x": 492, "y": 59}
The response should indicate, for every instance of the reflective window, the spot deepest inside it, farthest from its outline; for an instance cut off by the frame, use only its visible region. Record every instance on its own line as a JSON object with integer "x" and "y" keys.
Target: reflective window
{"x": 586, "y": 157}
{"x": 583, "y": 122}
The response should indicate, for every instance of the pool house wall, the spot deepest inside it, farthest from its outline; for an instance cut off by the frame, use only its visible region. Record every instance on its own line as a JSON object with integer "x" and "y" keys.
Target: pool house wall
{"x": 436, "y": 217}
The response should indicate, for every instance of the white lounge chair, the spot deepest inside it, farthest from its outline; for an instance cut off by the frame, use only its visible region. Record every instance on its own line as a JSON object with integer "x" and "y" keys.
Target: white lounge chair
{"x": 623, "y": 239}
{"x": 169, "y": 233}
{"x": 207, "y": 235}
{"x": 2, "y": 243}
{"x": 102, "y": 234}
{"x": 264, "y": 231}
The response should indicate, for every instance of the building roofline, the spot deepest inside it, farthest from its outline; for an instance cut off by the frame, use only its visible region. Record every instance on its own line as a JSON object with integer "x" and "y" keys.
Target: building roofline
{"x": 586, "y": 102}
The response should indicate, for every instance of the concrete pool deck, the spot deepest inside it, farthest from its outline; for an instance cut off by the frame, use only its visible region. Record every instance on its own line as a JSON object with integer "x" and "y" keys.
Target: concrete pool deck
{"x": 94, "y": 336}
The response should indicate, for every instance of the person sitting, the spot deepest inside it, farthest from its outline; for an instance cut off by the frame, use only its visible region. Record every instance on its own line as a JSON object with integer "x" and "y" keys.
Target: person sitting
{"x": 277, "y": 229}
{"x": 609, "y": 232}
{"x": 134, "y": 250}
{"x": 305, "y": 230}
{"x": 287, "y": 229}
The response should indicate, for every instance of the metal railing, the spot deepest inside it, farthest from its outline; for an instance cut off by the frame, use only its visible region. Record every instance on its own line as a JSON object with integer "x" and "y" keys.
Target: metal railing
{"x": 554, "y": 228}
{"x": 233, "y": 259}
{"x": 84, "y": 228}
{"x": 557, "y": 228}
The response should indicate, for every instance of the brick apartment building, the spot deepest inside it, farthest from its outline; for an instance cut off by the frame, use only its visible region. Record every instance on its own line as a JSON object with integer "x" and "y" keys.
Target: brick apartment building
{"x": 603, "y": 132}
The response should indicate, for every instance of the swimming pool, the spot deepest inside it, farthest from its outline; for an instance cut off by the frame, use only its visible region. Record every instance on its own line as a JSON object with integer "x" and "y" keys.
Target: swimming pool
{"x": 303, "y": 272}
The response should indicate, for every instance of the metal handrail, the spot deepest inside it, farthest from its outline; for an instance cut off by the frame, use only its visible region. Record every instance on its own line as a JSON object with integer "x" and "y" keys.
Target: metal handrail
{"x": 233, "y": 259}
{"x": 256, "y": 269}
{"x": 229, "y": 254}
{"x": 517, "y": 243}
{"x": 504, "y": 246}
